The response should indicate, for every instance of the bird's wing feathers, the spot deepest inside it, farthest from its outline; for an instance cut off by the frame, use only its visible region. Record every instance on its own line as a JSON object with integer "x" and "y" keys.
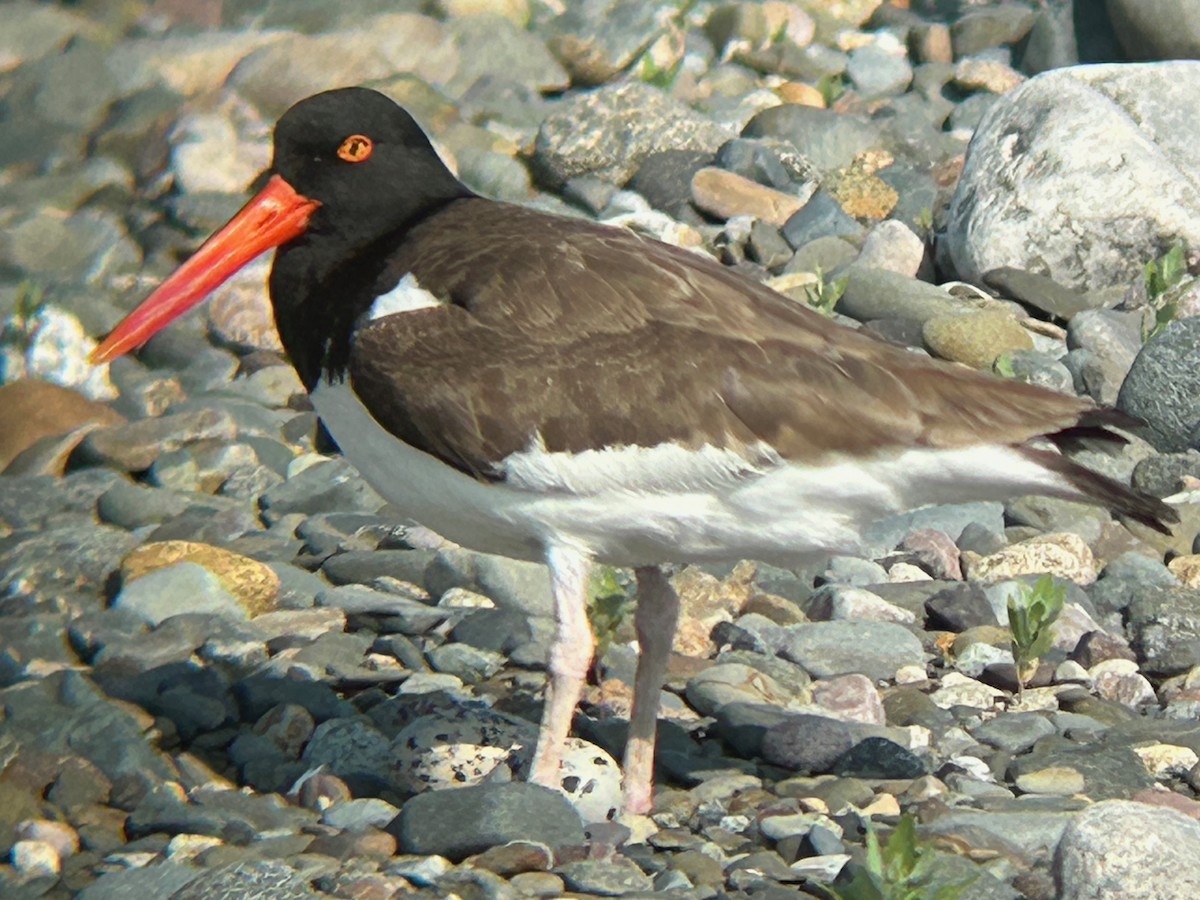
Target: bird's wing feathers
{"x": 584, "y": 336}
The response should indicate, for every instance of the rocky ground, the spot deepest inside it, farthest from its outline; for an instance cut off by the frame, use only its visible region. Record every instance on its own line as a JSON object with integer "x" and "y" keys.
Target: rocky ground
{"x": 227, "y": 669}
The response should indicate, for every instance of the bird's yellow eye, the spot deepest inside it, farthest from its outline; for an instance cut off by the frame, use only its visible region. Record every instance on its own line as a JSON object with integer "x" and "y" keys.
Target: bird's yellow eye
{"x": 356, "y": 148}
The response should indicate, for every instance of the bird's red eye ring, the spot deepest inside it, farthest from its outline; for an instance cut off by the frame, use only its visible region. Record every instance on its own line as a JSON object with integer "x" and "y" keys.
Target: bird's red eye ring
{"x": 356, "y": 148}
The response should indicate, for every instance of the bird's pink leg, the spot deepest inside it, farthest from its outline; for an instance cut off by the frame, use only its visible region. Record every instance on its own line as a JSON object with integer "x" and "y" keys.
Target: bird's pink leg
{"x": 570, "y": 656}
{"x": 655, "y": 619}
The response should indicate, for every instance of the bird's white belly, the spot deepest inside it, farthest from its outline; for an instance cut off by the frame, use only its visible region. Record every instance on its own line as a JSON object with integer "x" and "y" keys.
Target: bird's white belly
{"x": 637, "y": 506}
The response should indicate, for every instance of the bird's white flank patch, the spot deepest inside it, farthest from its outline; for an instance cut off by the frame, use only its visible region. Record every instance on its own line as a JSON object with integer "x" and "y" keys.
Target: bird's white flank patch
{"x": 406, "y": 296}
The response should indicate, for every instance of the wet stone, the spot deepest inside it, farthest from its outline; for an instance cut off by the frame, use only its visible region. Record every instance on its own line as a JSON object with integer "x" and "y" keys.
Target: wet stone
{"x": 456, "y": 823}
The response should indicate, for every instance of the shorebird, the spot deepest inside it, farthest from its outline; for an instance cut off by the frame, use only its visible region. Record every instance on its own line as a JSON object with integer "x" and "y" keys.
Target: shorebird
{"x": 553, "y": 389}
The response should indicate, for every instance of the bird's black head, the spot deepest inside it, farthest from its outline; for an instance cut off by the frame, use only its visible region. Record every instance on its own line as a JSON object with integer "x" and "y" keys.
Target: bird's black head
{"x": 352, "y": 173}
{"x": 364, "y": 159}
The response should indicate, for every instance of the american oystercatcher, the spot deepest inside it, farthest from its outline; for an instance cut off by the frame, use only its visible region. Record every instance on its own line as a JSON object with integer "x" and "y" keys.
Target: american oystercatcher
{"x": 569, "y": 392}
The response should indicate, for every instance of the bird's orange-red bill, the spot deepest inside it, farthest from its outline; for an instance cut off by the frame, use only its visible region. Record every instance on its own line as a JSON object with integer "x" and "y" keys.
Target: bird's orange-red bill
{"x": 276, "y": 215}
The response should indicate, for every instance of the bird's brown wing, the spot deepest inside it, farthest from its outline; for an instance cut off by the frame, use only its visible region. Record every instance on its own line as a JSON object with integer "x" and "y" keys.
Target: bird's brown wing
{"x": 586, "y": 336}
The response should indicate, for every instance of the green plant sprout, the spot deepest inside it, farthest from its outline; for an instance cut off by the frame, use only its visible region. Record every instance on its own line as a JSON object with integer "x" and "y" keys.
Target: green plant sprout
{"x": 1162, "y": 276}
{"x": 1031, "y": 612}
{"x": 21, "y": 328}
{"x": 831, "y": 87}
{"x": 900, "y": 869}
{"x": 824, "y": 295}
{"x": 607, "y": 609}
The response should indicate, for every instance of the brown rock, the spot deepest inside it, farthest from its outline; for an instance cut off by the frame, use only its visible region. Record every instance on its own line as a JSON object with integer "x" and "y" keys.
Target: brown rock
{"x": 254, "y": 584}
{"x": 931, "y": 43}
{"x": 1186, "y": 569}
{"x": 1098, "y": 646}
{"x": 935, "y": 551}
{"x": 370, "y": 842}
{"x": 986, "y": 75}
{"x": 32, "y": 411}
{"x": 1170, "y": 799}
{"x": 1065, "y": 555}
{"x": 705, "y": 601}
{"x": 801, "y": 93}
{"x": 726, "y": 194}
{"x": 515, "y": 857}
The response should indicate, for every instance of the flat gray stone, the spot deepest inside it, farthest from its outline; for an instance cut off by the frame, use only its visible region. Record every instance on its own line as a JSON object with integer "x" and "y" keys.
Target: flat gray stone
{"x": 459, "y": 822}
{"x": 874, "y": 649}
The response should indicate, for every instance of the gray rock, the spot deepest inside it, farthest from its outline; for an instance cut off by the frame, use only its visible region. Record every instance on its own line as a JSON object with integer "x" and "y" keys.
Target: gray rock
{"x": 878, "y": 757}
{"x": 1045, "y": 371}
{"x": 828, "y": 140}
{"x": 1041, "y": 293}
{"x": 882, "y": 294}
{"x": 599, "y": 40}
{"x": 744, "y": 725}
{"x": 353, "y": 749}
{"x": 1164, "y": 629}
{"x": 378, "y": 47}
{"x": 775, "y": 163}
{"x": 28, "y": 501}
{"x": 1153, "y": 859}
{"x": 812, "y": 744}
{"x": 951, "y": 518}
{"x": 605, "y": 877}
{"x": 258, "y": 693}
{"x": 495, "y": 630}
{"x": 1110, "y": 770}
{"x": 876, "y": 72}
{"x": 1163, "y": 30}
{"x": 470, "y": 664}
{"x": 358, "y": 815}
{"x": 327, "y": 487}
{"x": 874, "y": 649}
{"x": 364, "y": 567}
{"x": 404, "y": 615}
{"x": 1163, "y": 386}
{"x": 1051, "y": 43}
{"x": 134, "y": 447}
{"x": 820, "y": 217}
{"x": 512, "y": 584}
{"x": 161, "y": 880}
{"x": 251, "y": 879}
{"x": 958, "y": 607}
{"x": 1076, "y": 127}
{"x": 981, "y": 29}
{"x": 32, "y": 31}
{"x": 61, "y": 560}
{"x": 608, "y": 132}
{"x": 491, "y": 46}
{"x": 665, "y": 180}
{"x": 1162, "y": 475}
{"x": 129, "y": 505}
{"x": 184, "y": 586}
{"x": 1027, "y": 833}
{"x": 1014, "y": 733}
{"x": 459, "y": 822}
